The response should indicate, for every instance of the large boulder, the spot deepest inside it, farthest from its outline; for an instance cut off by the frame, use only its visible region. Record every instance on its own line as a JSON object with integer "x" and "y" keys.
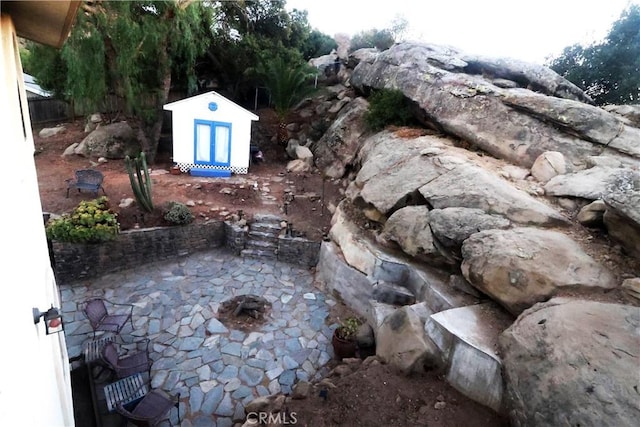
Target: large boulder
{"x": 471, "y": 186}
{"x": 573, "y": 363}
{"x": 337, "y": 148}
{"x": 622, "y": 217}
{"x": 589, "y": 184}
{"x": 397, "y": 172}
{"x": 409, "y": 227}
{"x": 113, "y": 141}
{"x": 452, "y": 226}
{"x": 402, "y": 343}
{"x": 523, "y": 266}
{"x": 510, "y": 121}
{"x": 548, "y": 165}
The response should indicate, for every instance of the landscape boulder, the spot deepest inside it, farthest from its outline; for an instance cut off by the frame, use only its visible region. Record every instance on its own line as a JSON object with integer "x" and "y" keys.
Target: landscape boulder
{"x": 573, "y": 363}
{"x": 113, "y": 141}
{"x": 49, "y": 132}
{"x": 522, "y": 266}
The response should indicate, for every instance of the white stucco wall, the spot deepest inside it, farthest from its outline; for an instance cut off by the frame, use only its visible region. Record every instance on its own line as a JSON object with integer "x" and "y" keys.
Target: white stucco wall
{"x": 35, "y": 384}
{"x": 184, "y": 113}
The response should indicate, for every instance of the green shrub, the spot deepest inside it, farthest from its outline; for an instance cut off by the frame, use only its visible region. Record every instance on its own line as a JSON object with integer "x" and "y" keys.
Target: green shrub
{"x": 179, "y": 214}
{"x": 91, "y": 222}
{"x": 387, "y": 107}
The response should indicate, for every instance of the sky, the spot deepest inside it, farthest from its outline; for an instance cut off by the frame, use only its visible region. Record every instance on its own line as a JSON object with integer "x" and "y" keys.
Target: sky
{"x": 526, "y": 30}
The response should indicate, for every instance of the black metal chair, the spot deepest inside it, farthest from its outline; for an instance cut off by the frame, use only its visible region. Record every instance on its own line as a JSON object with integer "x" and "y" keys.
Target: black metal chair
{"x": 102, "y": 320}
{"x": 125, "y": 364}
{"x": 154, "y": 407}
{"x": 86, "y": 179}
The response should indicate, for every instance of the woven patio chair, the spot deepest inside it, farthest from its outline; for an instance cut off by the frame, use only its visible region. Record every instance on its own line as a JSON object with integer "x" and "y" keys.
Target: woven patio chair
{"x": 154, "y": 407}
{"x": 125, "y": 364}
{"x": 102, "y": 320}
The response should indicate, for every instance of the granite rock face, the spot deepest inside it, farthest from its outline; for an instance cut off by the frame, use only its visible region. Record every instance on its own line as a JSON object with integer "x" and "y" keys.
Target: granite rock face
{"x": 466, "y": 96}
{"x": 573, "y": 362}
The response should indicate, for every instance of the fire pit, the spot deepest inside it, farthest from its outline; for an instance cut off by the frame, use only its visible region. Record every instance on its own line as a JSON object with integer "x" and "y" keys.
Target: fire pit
{"x": 244, "y": 312}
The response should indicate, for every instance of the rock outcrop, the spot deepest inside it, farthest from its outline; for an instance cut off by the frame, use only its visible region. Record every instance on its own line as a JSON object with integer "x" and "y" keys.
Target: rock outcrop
{"x": 426, "y": 170}
{"x": 539, "y": 112}
{"x": 573, "y": 362}
{"x": 339, "y": 145}
{"x": 512, "y": 163}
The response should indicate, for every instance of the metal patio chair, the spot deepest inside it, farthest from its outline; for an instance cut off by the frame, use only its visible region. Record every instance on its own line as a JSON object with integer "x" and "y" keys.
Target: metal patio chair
{"x": 154, "y": 407}
{"x": 130, "y": 363}
{"x": 86, "y": 179}
{"x": 101, "y": 319}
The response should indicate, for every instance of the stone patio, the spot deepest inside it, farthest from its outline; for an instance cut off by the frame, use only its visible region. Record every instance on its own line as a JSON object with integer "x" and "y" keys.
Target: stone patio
{"x": 215, "y": 369}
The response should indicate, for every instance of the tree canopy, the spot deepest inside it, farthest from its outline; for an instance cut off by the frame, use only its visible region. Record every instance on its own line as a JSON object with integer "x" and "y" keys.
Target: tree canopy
{"x": 136, "y": 51}
{"x": 129, "y": 50}
{"x": 609, "y": 72}
{"x": 251, "y": 32}
{"x": 380, "y": 39}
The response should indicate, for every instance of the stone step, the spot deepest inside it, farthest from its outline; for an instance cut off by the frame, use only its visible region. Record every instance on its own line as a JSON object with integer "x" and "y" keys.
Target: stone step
{"x": 263, "y": 236}
{"x": 256, "y": 253}
{"x": 468, "y": 340}
{"x": 267, "y": 218}
{"x": 263, "y": 227}
{"x": 259, "y": 244}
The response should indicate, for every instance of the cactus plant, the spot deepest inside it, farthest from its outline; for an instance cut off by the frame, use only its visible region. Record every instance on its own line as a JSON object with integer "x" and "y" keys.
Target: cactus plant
{"x": 141, "y": 183}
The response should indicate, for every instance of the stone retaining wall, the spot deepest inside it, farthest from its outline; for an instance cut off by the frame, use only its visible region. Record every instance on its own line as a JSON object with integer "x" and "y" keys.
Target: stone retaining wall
{"x": 236, "y": 237}
{"x": 299, "y": 251}
{"x": 75, "y": 261}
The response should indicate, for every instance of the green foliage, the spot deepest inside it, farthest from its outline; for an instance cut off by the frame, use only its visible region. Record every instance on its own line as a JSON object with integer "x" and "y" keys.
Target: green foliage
{"x": 90, "y": 222}
{"x": 130, "y": 50}
{"x": 247, "y": 34}
{"x": 47, "y": 66}
{"x": 387, "y": 107}
{"x": 179, "y": 214}
{"x": 141, "y": 182}
{"x": 609, "y": 72}
{"x": 348, "y": 329}
{"x": 288, "y": 82}
{"x": 318, "y": 44}
{"x": 380, "y": 39}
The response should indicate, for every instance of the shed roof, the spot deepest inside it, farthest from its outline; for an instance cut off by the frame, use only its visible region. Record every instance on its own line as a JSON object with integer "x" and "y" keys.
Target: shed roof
{"x": 46, "y": 22}
{"x": 30, "y": 85}
{"x": 209, "y": 95}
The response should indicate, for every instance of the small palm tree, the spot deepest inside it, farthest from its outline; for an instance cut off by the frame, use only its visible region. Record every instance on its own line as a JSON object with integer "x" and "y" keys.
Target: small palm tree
{"x": 288, "y": 84}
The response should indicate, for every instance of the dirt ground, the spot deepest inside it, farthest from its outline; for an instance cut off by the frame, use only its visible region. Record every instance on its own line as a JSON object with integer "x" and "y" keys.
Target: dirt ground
{"x": 374, "y": 395}
{"x": 261, "y": 190}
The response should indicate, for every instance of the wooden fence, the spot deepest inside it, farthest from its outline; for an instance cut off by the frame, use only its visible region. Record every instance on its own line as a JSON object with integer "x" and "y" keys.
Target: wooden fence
{"x": 45, "y": 110}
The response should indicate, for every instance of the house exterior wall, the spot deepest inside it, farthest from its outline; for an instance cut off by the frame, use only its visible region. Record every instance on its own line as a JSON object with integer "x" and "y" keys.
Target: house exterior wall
{"x": 186, "y": 111}
{"x": 35, "y": 383}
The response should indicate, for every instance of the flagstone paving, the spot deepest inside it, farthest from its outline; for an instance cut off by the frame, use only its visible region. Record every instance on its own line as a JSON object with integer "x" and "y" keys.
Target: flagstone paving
{"x": 217, "y": 370}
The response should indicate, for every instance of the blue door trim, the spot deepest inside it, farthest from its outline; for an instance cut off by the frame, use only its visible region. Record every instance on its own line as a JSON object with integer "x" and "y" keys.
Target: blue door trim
{"x": 212, "y": 147}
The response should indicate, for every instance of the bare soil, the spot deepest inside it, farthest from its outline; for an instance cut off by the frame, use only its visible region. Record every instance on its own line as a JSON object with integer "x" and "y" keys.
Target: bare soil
{"x": 375, "y": 395}
{"x": 260, "y": 191}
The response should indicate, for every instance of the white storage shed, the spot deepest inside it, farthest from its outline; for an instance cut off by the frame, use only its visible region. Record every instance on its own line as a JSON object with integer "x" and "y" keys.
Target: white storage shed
{"x": 211, "y": 135}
